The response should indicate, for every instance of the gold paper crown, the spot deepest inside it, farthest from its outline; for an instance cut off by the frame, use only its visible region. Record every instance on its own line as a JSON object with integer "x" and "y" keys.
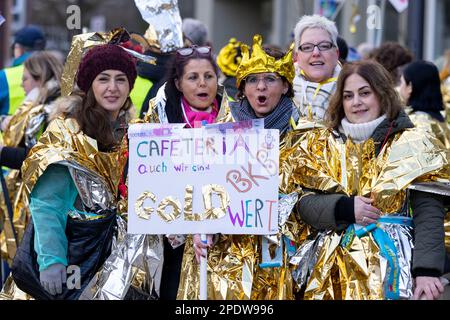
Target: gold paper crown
{"x": 261, "y": 62}
{"x": 229, "y": 58}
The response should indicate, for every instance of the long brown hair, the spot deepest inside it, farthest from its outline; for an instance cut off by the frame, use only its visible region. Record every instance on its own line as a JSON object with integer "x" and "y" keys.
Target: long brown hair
{"x": 95, "y": 121}
{"x": 379, "y": 81}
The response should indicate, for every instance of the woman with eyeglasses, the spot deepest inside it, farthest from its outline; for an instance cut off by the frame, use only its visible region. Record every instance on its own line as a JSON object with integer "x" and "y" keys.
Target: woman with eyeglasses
{"x": 265, "y": 92}
{"x": 358, "y": 196}
{"x": 317, "y": 67}
{"x": 264, "y": 78}
{"x": 191, "y": 95}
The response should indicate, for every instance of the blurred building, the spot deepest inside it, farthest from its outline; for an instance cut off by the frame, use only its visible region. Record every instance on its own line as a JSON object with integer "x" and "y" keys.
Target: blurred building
{"x": 424, "y": 26}
{"x": 52, "y": 17}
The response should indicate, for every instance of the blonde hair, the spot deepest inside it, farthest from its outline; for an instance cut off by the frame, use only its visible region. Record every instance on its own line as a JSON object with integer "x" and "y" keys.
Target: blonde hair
{"x": 45, "y": 67}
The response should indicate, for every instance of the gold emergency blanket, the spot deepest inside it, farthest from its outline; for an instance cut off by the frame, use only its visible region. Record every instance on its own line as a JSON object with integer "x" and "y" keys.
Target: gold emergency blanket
{"x": 64, "y": 142}
{"x": 13, "y": 136}
{"x": 445, "y": 88}
{"x": 234, "y": 271}
{"x": 425, "y": 122}
{"x": 132, "y": 271}
{"x": 320, "y": 161}
{"x": 15, "y": 131}
{"x": 11, "y": 291}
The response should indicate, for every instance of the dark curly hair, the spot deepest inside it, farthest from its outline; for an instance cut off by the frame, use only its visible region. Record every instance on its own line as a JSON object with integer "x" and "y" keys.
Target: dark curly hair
{"x": 392, "y": 55}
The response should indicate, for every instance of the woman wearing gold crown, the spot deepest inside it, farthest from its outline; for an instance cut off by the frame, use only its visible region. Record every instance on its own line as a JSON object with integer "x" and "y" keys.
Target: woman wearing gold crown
{"x": 359, "y": 186}
{"x": 264, "y": 82}
{"x": 237, "y": 269}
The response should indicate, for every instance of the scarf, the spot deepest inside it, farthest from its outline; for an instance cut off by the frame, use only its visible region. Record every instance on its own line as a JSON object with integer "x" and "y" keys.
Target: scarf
{"x": 312, "y": 98}
{"x": 278, "y": 119}
{"x": 360, "y": 132}
{"x": 192, "y": 116}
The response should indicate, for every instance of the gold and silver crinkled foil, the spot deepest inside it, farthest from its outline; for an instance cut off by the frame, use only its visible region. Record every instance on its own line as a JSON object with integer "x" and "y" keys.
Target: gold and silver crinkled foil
{"x": 233, "y": 265}
{"x": 319, "y": 161}
{"x": 132, "y": 271}
{"x": 164, "y": 18}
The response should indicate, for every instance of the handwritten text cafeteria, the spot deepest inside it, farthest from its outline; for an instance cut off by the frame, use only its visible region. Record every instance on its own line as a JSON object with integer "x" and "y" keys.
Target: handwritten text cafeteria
{"x": 211, "y": 146}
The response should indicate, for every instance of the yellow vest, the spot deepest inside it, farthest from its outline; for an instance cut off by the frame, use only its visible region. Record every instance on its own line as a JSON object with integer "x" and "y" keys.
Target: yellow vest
{"x": 141, "y": 87}
{"x": 16, "y": 92}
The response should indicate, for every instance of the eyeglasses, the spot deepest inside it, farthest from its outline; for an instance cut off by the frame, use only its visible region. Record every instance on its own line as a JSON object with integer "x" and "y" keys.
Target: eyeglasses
{"x": 322, "y": 46}
{"x": 190, "y": 50}
{"x": 269, "y": 80}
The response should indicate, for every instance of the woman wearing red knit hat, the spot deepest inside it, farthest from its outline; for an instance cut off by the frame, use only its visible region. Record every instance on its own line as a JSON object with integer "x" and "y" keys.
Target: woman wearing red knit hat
{"x": 71, "y": 180}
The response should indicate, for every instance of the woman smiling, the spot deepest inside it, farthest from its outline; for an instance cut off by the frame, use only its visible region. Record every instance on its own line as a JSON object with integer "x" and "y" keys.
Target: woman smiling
{"x": 354, "y": 178}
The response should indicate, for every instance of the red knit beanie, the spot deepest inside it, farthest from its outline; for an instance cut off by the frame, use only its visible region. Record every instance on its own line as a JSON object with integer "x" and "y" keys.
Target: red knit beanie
{"x": 105, "y": 57}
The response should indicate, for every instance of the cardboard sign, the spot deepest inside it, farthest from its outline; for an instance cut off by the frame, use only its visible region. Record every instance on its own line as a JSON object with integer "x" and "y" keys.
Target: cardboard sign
{"x": 185, "y": 181}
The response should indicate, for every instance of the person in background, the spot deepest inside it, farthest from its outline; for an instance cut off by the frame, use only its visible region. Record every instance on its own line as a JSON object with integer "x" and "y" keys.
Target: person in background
{"x": 196, "y": 32}
{"x": 228, "y": 60}
{"x": 42, "y": 76}
{"x": 364, "y": 49}
{"x": 316, "y": 57}
{"x": 343, "y": 49}
{"x": 420, "y": 89}
{"x": 150, "y": 76}
{"x": 26, "y": 40}
{"x": 393, "y": 57}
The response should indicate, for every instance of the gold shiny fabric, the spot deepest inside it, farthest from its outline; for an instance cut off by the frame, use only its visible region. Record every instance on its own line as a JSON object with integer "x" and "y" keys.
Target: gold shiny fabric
{"x": 233, "y": 262}
{"x": 12, "y": 137}
{"x": 64, "y": 142}
{"x": 425, "y": 122}
{"x": 318, "y": 160}
{"x": 10, "y": 291}
{"x": 228, "y": 59}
